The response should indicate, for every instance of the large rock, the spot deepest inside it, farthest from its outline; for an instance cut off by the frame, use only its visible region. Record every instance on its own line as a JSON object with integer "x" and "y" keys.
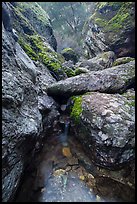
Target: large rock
{"x": 22, "y": 111}
{"x": 21, "y": 117}
{"x": 100, "y": 62}
{"x": 111, "y": 27}
{"x": 111, "y": 80}
{"x": 69, "y": 54}
{"x": 105, "y": 125}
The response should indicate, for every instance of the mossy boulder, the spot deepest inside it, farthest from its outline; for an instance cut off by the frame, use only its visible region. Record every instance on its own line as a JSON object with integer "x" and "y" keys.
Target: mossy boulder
{"x": 105, "y": 126}
{"x": 34, "y": 42}
{"x": 100, "y": 62}
{"x": 111, "y": 80}
{"x": 69, "y": 54}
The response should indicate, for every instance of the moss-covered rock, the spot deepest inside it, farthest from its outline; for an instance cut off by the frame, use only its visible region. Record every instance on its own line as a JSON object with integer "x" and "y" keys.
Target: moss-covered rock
{"x": 34, "y": 35}
{"x": 111, "y": 80}
{"x": 41, "y": 24}
{"x": 27, "y": 48}
{"x": 35, "y": 45}
{"x": 37, "y": 49}
{"x": 122, "y": 60}
{"x": 70, "y": 54}
{"x": 81, "y": 70}
{"x": 106, "y": 127}
{"x": 116, "y": 27}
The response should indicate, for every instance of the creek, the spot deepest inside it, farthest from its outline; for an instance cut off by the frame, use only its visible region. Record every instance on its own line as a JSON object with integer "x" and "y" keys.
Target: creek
{"x": 62, "y": 172}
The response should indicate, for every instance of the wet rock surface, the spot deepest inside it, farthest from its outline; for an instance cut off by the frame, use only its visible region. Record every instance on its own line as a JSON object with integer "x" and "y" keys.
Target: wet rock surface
{"x": 60, "y": 178}
{"x": 113, "y": 80}
{"x": 22, "y": 120}
{"x": 106, "y": 126}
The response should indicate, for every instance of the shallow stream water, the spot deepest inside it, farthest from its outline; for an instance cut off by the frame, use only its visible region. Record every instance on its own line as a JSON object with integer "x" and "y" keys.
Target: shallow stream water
{"x": 64, "y": 173}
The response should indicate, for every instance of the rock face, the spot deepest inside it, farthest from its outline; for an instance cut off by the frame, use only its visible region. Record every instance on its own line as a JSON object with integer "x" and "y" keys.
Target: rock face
{"x": 41, "y": 24}
{"x": 111, "y": 80}
{"x": 36, "y": 36}
{"x": 111, "y": 27}
{"x": 25, "y": 105}
{"x": 105, "y": 125}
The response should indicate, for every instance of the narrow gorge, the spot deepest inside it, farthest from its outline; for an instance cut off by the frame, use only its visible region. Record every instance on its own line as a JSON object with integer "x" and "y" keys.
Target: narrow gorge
{"x": 68, "y": 101}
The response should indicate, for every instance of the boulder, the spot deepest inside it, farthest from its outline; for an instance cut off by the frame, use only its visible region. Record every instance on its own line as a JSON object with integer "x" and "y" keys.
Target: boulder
{"x": 100, "y": 62}
{"x": 69, "y": 54}
{"x": 111, "y": 80}
{"x": 105, "y": 126}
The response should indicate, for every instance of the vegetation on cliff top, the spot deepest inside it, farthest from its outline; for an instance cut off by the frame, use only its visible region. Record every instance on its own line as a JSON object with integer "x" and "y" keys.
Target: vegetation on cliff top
{"x": 113, "y": 16}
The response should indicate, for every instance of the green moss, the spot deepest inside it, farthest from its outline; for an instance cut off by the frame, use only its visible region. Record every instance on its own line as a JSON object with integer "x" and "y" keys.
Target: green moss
{"x": 117, "y": 21}
{"x": 101, "y": 5}
{"x": 120, "y": 19}
{"x": 38, "y": 44}
{"x": 123, "y": 61}
{"x": 68, "y": 51}
{"x": 112, "y": 5}
{"x": 131, "y": 103}
{"x": 70, "y": 72}
{"x": 27, "y": 48}
{"x": 51, "y": 63}
{"x": 80, "y": 70}
{"x": 37, "y": 50}
{"x": 100, "y": 22}
{"x": 77, "y": 108}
